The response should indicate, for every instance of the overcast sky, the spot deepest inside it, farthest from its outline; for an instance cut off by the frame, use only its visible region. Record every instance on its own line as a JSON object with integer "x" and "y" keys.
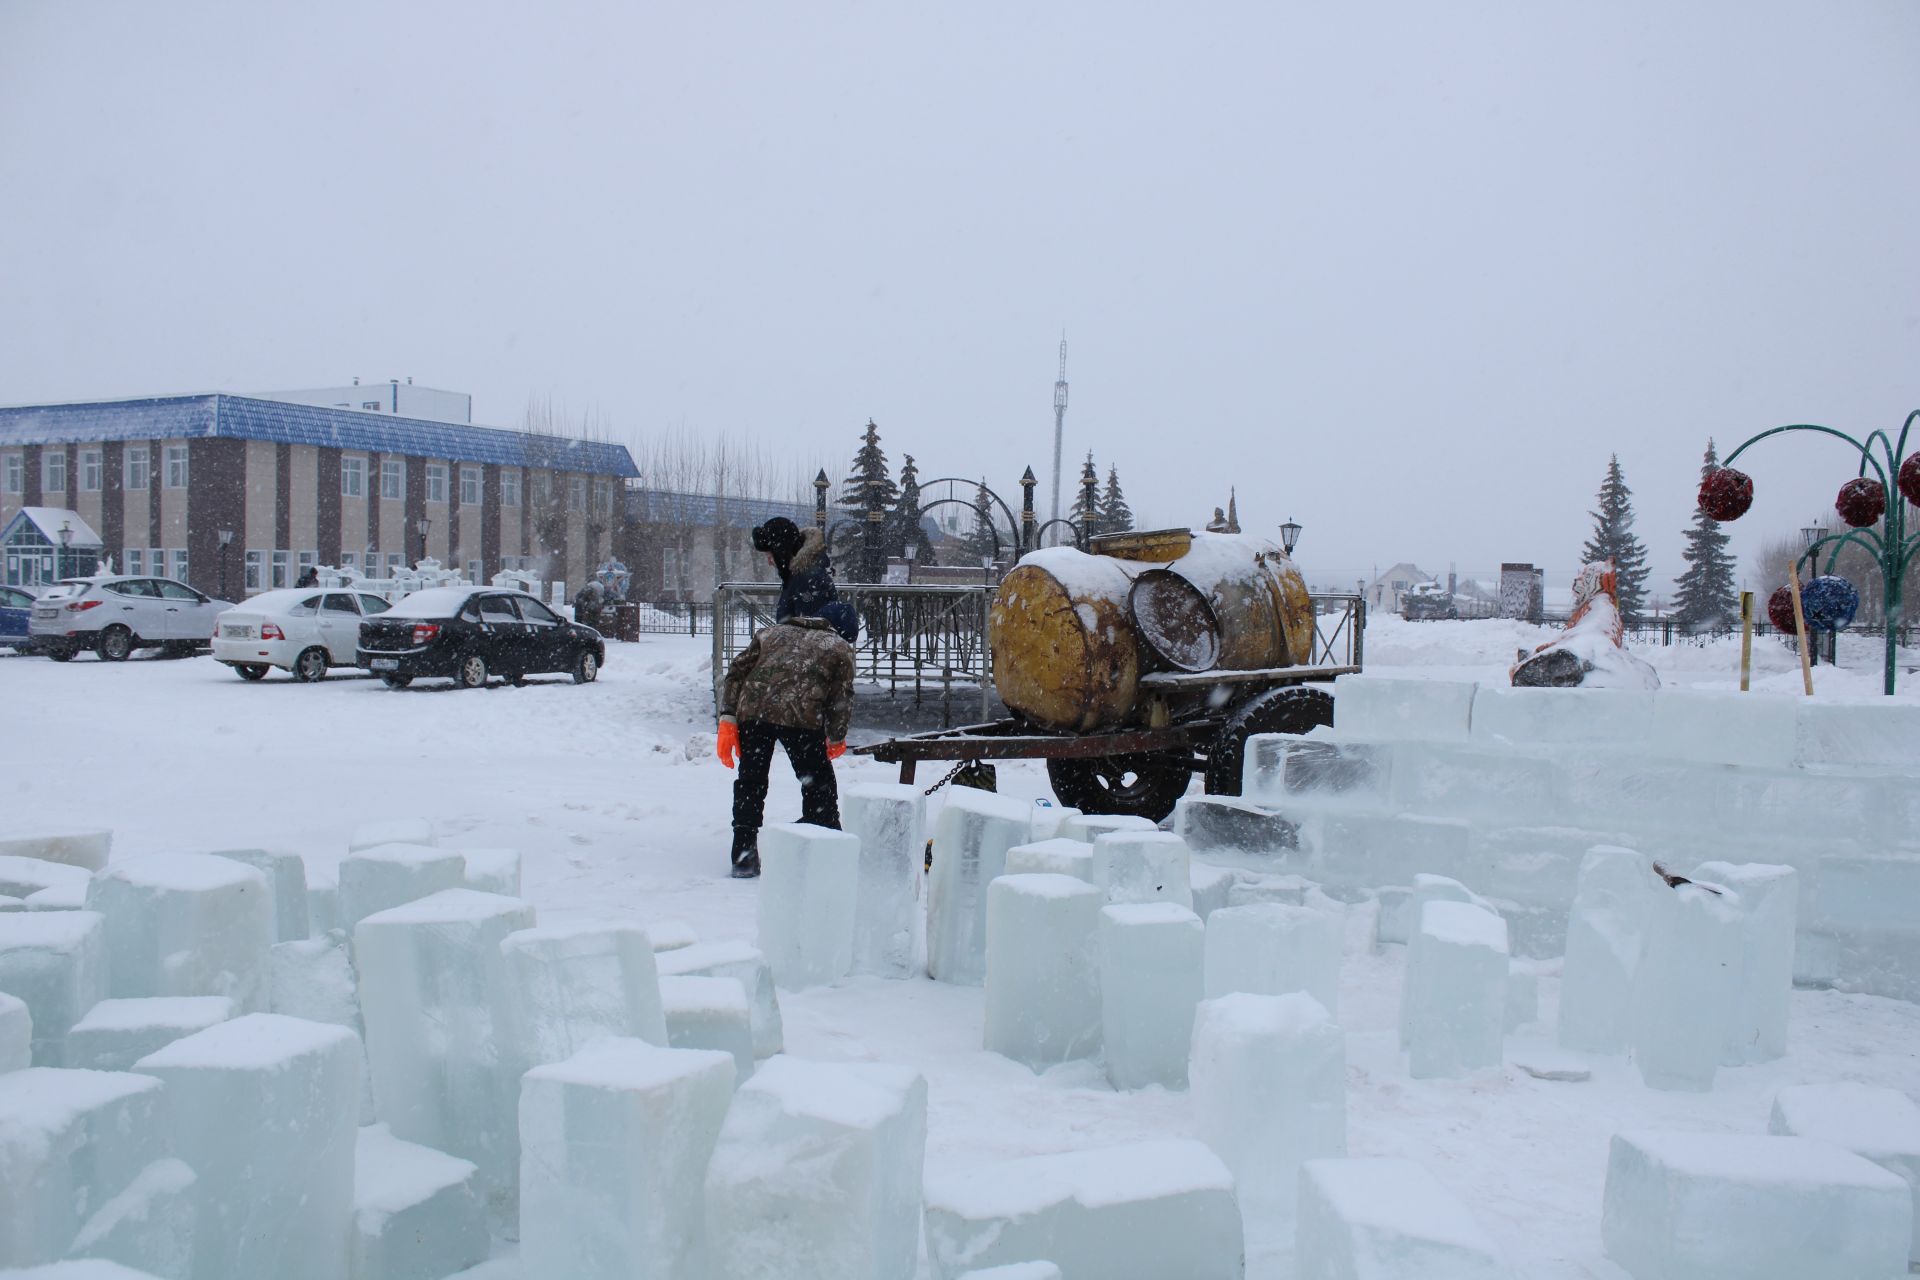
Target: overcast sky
{"x": 1406, "y": 272}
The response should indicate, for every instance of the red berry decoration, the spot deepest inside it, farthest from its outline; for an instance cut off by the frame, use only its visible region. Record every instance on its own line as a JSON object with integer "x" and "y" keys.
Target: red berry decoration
{"x": 1910, "y": 479}
{"x": 1780, "y": 610}
{"x": 1726, "y": 494}
{"x": 1861, "y": 502}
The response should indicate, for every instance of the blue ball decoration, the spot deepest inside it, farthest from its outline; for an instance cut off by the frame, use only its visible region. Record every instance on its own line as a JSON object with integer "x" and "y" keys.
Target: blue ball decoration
{"x": 1829, "y": 602}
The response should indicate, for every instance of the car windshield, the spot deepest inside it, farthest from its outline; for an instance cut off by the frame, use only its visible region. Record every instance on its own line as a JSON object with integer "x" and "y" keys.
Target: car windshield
{"x": 434, "y": 602}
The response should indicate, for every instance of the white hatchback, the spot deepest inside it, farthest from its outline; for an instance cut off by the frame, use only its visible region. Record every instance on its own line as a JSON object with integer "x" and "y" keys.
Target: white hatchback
{"x": 114, "y": 614}
{"x": 304, "y": 630}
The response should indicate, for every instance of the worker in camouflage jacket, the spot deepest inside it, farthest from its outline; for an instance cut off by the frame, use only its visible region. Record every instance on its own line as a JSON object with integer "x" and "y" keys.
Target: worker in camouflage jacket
{"x": 792, "y": 687}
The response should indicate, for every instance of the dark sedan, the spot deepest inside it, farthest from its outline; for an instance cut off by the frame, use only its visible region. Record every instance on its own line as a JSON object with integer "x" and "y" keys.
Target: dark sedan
{"x": 468, "y": 634}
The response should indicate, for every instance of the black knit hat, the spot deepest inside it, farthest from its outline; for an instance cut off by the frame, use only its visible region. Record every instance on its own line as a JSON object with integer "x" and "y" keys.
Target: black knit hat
{"x": 779, "y": 536}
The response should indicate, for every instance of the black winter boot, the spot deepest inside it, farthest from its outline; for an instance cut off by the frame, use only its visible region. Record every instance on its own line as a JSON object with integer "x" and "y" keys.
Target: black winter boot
{"x": 746, "y": 854}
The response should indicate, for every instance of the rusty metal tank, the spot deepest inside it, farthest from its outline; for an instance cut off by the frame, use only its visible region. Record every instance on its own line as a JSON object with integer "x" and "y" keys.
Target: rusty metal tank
{"x": 1072, "y": 633}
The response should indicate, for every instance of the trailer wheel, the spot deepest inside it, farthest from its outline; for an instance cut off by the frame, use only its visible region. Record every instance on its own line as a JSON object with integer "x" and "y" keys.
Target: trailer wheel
{"x": 1145, "y": 783}
{"x": 1294, "y": 709}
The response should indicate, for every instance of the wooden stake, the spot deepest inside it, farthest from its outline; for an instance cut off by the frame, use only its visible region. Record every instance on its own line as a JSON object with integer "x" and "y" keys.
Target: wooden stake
{"x": 1746, "y": 641}
{"x": 1800, "y": 625}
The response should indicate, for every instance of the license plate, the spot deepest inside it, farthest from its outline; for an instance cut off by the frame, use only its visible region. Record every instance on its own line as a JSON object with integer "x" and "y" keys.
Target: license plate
{"x": 385, "y": 664}
{"x": 237, "y": 633}
{"x": 46, "y": 613}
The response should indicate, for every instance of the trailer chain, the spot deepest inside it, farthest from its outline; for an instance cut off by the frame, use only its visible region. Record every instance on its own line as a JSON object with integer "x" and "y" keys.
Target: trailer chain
{"x": 951, "y": 775}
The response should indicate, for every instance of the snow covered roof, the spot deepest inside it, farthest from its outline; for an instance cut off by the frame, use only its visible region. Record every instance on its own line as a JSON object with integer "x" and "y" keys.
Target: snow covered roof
{"x": 48, "y": 521}
{"x": 223, "y": 416}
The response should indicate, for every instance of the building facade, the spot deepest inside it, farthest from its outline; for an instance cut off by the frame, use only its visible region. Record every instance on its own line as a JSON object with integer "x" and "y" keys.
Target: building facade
{"x": 235, "y": 494}
{"x": 394, "y": 397}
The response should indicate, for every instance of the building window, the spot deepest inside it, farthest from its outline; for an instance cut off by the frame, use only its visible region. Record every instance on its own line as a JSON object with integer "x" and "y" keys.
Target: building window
{"x": 53, "y": 471}
{"x": 136, "y": 465}
{"x": 13, "y": 473}
{"x": 156, "y": 562}
{"x": 469, "y": 486}
{"x": 306, "y": 560}
{"x": 91, "y": 468}
{"x": 353, "y": 477}
{"x": 510, "y": 486}
{"x": 372, "y": 561}
{"x": 577, "y": 494}
{"x": 393, "y": 479}
{"x": 350, "y": 560}
{"x": 603, "y": 497}
{"x": 282, "y": 561}
{"x": 179, "y": 561}
{"x": 135, "y": 560}
{"x": 543, "y": 488}
{"x": 176, "y": 466}
{"x": 370, "y": 404}
{"x": 256, "y": 570}
{"x": 473, "y": 571}
{"x": 396, "y": 564}
{"x": 436, "y": 482}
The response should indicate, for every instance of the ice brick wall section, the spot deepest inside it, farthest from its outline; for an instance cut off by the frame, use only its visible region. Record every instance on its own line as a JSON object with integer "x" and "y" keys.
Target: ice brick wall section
{"x": 1506, "y": 789}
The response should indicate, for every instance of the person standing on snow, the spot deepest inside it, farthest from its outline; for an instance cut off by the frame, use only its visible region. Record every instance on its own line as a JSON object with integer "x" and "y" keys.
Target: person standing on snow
{"x": 791, "y": 687}
{"x": 806, "y": 576}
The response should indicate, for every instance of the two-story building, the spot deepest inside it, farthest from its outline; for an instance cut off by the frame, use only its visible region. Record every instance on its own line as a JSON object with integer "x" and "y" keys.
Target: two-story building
{"x": 236, "y": 494}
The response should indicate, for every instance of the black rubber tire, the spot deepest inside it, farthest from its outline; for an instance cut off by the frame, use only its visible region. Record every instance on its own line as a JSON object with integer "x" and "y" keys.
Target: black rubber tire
{"x": 250, "y": 671}
{"x": 395, "y": 682}
{"x": 115, "y": 644}
{"x": 59, "y": 652}
{"x": 1146, "y": 784}
{"x": 586, "y": 667}
{"x": 472, "y": 672}
{"x": 1294, "y": 709}
{"x": 311, "y": 666}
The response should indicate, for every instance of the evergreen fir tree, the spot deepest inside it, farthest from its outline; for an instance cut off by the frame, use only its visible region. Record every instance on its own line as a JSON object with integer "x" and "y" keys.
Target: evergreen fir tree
{"x": 981, "y": 545}
{"x": 1613, "y": 539}
{"x": 1115, "y": 515}
{"x": 868, "y": 486}
{"x": 1705, "y": 597}
{"x": 903, "y": 522}
{"x": 1086, "y": 513}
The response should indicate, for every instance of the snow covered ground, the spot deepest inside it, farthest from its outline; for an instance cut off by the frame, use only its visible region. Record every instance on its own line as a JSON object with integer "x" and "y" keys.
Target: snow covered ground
{"x": 612, "y": 794}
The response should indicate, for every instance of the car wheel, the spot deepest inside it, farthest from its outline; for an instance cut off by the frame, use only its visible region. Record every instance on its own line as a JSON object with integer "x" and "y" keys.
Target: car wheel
{"x": 396, "y": 682}
{"x": 472, "y": 673}
{"x": 60, "y": 652}
{"x": 251, "y": 671}
{"x": 311, "y": 665}
{"x": 586, "y": 667}
{"x": 116, "y": 644}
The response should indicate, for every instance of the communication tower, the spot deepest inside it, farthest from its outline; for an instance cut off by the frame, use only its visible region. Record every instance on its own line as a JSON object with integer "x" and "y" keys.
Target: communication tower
{"x": 1059, "y": 424}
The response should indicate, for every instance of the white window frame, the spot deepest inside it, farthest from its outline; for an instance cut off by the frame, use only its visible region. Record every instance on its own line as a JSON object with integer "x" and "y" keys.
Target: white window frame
{"x": 350, "y": 560}
{"x": 577, "y": 494}
{"x": 353, "y": 476}
{"x": 396, "y": 564}
{"x": 473, "y": 570}
{"x": 93, "y": 470}
{"x": 307, "y": 560}
{"x": 13, "y": 472}
{"x": 510, "y": 486}
{"x": 437, "y": 482}
{"x": 177, "y": 564}
{"x": 53, "y": 464}
{"x": 394, "y": 470}
{"x": 256, "y": 571}
{"x": 136, "y": 464}
{"x": 178, "y": 464}
{"x": 133, "y": 561}
{"x": 471, "y": 480}
{"x": 280, "y": 568}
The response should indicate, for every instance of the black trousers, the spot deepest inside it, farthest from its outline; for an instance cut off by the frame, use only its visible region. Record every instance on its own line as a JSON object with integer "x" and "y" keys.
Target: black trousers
{"x": 806, "y": 752}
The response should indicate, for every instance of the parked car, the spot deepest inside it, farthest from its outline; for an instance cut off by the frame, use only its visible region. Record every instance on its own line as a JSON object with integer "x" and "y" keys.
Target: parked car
{"x": 16, "y": 617}
{"x": 470, "y": 633}
{"x": 302, "y": 630}
{"x": 114, "y": 614}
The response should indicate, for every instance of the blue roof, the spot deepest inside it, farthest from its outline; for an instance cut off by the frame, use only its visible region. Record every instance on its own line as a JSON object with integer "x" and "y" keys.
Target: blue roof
{"x": 245, "y": 418}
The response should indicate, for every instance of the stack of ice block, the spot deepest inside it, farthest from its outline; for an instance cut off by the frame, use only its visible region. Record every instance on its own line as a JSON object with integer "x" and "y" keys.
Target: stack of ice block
{"x": 709, "y": 1013}
{"x": 264, "y": 1109}
{"x": 1043, "y": 977}
{"x": 1272, "y": 948}
{"x": 1878, "y": 1124}
{"x": 1453, "y": 1011}
{"x": 1611, "y": 909}
{"x": 1732, "y": 1206}
{"x": 492, "y": 870}
{"x": 437, "y": 963}
{"x": 55, "y": 962}
{"x": 390, "y": 875}
{"x": 809, "y": 884}
{"x": 1236, "y": 831}
{"x": 115, "y": 1034}
{"x": 890, "y": 821}
{"x": 1769, "y": 903}
{"x": 741, "y": 962}
{"x": 416, "y": 1214}
{"x": 566, "y": 986}
{"x": 1088, "y": 827}
{"x": 1152, "y": 977}
{"x": 970, "y": 843}
{"x": 287, "y": 883}
{"x": 817, "y": 1173}
{"x": 1142, "y": 866}
{"x": 186, "y": 924}
{"x": 1687, "y": 981}
{"x": 1269, "y": 1077}
{"x": 1387, "y": 1219}
{"x": 1058, "y": 856}
{"x": 1145, "y": 1211}
{"x": 39, "y": 884}
{"x": 615, "y": 1143}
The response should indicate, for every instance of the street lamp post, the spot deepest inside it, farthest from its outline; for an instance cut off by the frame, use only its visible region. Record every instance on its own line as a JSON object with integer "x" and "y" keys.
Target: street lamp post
{"x": 226, "y": 540}
{"x": 820, "y": 486}
{"x": 1289, "y": 535}
{"x": 424, "y": 526}
{"x": 66, "y": 553}
{"x": 1869, "y": 500}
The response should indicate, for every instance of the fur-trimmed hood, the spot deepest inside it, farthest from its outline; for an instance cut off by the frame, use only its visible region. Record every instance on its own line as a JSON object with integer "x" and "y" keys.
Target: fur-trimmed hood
{"x": 813, "y": 545}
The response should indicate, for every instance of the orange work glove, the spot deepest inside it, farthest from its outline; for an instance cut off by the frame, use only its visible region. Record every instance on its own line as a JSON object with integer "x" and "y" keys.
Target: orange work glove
{"x": 727, "y": 746}
{"x": 835, "y": 750}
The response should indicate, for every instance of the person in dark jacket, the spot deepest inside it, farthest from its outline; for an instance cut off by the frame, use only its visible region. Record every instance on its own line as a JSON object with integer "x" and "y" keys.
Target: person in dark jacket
{"x": 806, "y": 576}
{"x": 792, "y": 687}
{"x": 309, "y": 577}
